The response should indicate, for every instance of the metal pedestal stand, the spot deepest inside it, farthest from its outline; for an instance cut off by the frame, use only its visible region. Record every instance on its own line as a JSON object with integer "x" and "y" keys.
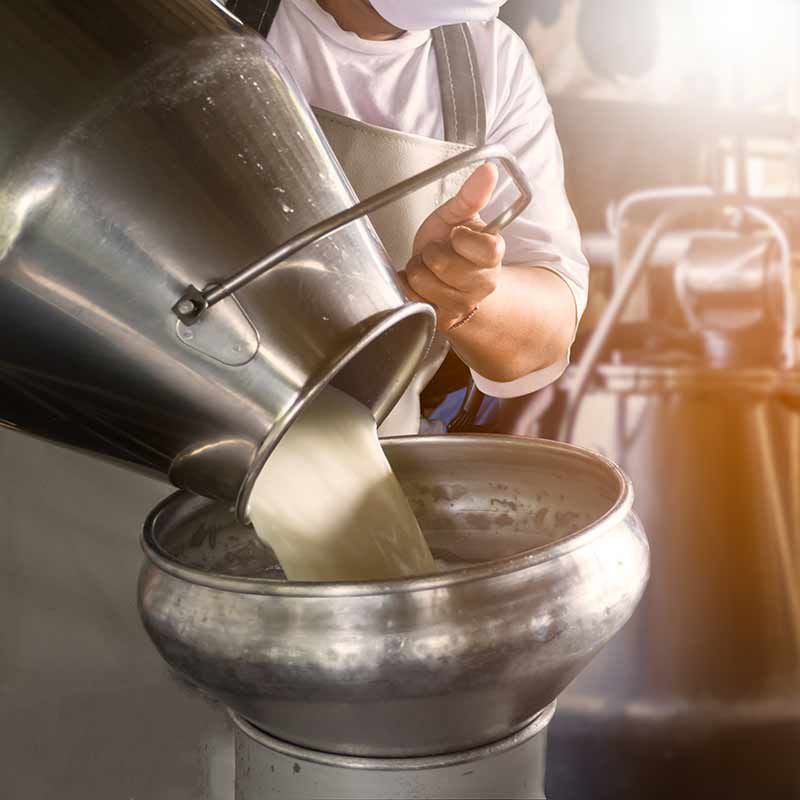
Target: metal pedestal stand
{"x": 512, "y": 769}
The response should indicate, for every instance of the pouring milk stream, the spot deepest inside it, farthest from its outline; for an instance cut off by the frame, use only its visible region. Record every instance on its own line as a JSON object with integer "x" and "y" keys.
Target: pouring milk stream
{"x": 328, "y": 503}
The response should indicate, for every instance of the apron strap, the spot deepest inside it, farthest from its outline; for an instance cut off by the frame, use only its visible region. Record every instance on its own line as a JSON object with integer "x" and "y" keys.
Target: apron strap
{"x": 256, "y": 14}
{"x": 464, "y": 113}
{"x": 463, "y": 102}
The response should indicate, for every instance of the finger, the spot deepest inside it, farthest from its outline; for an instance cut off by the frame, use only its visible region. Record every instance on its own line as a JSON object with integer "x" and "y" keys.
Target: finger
{"x": 473, "y": 196}
{"x": 482, "y": 249}
{"x": 424, "y": 283}
{"x": 474, "y": 224}
{"x": 457, "y": 271}
{"x": 409, "y": 292}
{"x": 465, "y": 207}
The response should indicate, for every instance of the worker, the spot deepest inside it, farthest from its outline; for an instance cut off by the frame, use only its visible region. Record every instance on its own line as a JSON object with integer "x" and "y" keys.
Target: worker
{"x": 401, "y": 85}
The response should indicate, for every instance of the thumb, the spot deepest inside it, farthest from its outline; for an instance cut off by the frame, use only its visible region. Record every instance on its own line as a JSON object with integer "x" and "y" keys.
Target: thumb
{"x": 472, "y": 198}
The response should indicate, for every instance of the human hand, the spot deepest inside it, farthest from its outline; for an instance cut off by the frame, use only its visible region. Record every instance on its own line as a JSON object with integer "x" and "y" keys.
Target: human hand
{"x": 455, "y": 264}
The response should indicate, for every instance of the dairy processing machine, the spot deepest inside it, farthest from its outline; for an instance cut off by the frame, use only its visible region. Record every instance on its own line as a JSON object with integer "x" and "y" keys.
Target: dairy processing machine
{"x": 689, "y": 381}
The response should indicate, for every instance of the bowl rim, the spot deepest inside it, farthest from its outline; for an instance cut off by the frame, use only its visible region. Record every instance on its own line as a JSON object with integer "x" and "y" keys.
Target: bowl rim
{"x": 620, "y": 510}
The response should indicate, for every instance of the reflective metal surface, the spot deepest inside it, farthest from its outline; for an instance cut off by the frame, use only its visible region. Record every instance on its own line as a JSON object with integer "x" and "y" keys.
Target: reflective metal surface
{"x": 145, "y": 146}
{"x": 702, "y": 688}
{"x": 548, "y": 563}
{"x": 511, "y": 769}
{"x": 703, "y": 685}
{"x": 778, "y": 295}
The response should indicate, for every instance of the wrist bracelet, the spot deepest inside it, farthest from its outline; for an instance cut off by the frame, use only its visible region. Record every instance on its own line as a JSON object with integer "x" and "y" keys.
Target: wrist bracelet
{"x": 464, "y": 320}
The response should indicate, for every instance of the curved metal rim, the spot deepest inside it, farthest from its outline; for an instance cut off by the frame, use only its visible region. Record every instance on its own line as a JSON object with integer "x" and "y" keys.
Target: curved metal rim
{"x": 315, "y": 386}
{"x": 535, "y": 727}
{"x": 528, "y": 559}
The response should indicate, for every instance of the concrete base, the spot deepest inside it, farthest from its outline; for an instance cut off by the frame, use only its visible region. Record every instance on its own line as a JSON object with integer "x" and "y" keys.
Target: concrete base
{"x": 513, "y": 769}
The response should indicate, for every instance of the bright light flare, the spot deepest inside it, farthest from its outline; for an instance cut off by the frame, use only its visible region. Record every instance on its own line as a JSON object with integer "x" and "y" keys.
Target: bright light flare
{"x": 749, "y": 49}
{"x": 741, "y": 32}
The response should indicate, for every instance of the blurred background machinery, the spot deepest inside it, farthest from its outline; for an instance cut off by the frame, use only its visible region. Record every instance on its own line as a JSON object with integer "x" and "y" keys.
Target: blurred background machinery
{"x": 680, "y": 126}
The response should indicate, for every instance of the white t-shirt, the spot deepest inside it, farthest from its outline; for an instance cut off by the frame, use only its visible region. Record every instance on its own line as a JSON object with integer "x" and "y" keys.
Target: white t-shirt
{"x": 395, "y": 84}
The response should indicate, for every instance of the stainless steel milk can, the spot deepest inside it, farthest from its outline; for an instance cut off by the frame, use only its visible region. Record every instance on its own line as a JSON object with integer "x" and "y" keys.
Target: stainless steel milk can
{"x": 182, "y": 261}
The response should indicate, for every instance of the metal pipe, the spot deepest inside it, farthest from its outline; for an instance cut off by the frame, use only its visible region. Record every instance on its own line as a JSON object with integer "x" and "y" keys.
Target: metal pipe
{"x": 693, "y": 201}
{"x": 769, "y": 221}
{"x": 616, "y": 214}
{"x": 629, "y": 282}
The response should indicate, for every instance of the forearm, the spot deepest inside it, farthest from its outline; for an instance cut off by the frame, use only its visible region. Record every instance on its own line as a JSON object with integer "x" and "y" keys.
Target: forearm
{"x": 526, "y": 324}
{"x": 525, "y": 318}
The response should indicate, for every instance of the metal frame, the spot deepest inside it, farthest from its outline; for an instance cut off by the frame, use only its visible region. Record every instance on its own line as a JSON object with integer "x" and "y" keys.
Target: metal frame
{"x": 692, "y": 200}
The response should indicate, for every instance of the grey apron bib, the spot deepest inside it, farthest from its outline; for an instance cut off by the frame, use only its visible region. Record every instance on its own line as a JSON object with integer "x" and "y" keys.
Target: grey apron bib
{"x": 375, "y": 158}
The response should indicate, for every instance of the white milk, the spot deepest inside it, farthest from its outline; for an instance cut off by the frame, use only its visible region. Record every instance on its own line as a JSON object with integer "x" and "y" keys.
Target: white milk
{"x": 328, "y": 503}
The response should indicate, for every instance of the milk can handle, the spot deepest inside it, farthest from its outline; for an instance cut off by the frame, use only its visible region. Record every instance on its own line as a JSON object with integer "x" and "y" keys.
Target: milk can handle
{"x": 194, "y": 302}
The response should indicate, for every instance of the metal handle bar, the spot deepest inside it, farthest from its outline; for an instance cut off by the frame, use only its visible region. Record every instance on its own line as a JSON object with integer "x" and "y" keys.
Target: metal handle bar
{"x": 193, "y": 303}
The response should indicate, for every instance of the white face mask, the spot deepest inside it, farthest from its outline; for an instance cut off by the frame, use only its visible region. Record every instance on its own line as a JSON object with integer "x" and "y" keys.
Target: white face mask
{"x": 422, "y": 15}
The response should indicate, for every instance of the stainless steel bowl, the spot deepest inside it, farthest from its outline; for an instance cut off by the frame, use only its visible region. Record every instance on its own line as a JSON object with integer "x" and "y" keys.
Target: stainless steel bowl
{"x": 544, "y": 562}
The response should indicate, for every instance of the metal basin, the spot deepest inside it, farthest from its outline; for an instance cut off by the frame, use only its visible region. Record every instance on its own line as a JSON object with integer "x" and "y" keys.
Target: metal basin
{"x": 543, "y": 562}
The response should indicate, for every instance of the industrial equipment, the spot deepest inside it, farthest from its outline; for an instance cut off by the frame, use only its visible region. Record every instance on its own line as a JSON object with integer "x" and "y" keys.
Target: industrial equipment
{"x": 689, "y": 382}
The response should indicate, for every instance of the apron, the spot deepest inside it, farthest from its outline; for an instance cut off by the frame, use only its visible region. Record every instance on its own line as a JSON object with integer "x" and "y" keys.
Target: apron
{"x": 374, "y": 158}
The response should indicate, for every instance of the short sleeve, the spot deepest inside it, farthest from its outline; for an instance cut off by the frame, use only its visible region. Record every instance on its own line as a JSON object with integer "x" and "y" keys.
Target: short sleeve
{"x": 546, "y": 234}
